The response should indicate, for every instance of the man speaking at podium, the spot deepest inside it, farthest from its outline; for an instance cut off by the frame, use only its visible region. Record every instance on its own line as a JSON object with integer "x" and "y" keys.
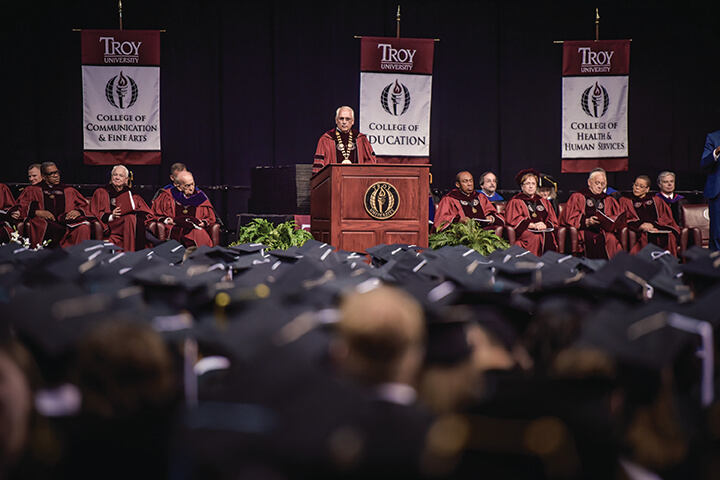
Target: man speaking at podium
{"x": 343, "y": 144}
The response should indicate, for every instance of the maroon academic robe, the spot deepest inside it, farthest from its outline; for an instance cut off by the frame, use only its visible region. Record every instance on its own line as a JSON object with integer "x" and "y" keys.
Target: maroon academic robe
{"x": 126, "y": 231}
{"x": 186, "y": 212}
{"x": 651, "y": 209}
{"x": 328, "y": 150}
{"x": 593, "y": 242}
{"x": 59, "y": 200}
{"x": 521, "y": 211}
{"x": 456, "y": 205}
{"x": 7, "y": 206}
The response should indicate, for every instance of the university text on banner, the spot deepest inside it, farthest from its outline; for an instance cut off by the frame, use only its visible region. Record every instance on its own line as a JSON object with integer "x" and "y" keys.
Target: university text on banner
{"x": 594, "y": 105}
{"x": 121, "y": 96}
{"x": 395, "y": 96}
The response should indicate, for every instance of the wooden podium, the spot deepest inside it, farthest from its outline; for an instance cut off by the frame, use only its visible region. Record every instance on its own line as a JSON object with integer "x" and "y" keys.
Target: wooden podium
{"x": 356, "y": 206}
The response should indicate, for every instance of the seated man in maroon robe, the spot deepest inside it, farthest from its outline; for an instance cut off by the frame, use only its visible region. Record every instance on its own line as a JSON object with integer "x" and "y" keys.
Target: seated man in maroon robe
{"x": 9, "y": 213}
{"x": 186, "y": 211}
{"x": 650, "y": 218}
{"x": 343, "y": 144}
{"x": 464, "y": 202}
{"x": 34, "y": 175}
{"x": 122, "y": 214}
{"x": 582, "y": 211}
{"x": 55, "y": 211}
{"x": 666, "y": 182}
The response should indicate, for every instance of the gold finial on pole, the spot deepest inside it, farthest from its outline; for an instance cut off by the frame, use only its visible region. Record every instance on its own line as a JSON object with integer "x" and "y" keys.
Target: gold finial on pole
{"x": 397, "y": 17}
{"x": 120, "y": 12}
{"x": 597, "y": 25}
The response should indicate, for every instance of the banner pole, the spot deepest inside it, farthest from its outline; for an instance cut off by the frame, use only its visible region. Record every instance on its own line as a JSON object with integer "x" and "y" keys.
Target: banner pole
{"x": 397, "y": 17}
{"x": 597, "y": 25}
{"x": 120, "y": 12}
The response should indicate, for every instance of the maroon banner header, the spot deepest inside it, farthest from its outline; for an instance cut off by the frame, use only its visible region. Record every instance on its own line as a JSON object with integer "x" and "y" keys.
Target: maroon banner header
{"x": 120, "y": 47}
{"x": 606, "y": 57}
{"x": 405, "y": 55}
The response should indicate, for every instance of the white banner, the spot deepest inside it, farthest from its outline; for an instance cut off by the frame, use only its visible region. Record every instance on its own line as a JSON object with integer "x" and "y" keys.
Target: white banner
{"x": 395, "y": 113}
{"x": 121, "y": 107}
{"x": 595, "y": 117}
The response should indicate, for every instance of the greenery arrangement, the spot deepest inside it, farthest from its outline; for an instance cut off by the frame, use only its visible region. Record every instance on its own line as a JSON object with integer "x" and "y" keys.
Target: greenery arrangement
{"x": 280, "y": 237}
{"x": 471, "y": 235}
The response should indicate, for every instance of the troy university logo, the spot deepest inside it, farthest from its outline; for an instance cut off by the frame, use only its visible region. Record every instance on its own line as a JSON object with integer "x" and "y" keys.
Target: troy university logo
{"x": 381, "y": 200}
{"x": 395, "y": 99}
{"x": 121, "y": 91}
{"x": 596, "y": 103}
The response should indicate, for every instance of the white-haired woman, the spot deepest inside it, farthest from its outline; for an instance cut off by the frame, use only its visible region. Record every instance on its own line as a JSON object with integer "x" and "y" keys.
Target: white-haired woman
{"x": 122, "y": 214}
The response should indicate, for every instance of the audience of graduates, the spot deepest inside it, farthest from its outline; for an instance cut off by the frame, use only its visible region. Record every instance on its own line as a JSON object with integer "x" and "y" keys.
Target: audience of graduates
{"x": 190, "y": 360}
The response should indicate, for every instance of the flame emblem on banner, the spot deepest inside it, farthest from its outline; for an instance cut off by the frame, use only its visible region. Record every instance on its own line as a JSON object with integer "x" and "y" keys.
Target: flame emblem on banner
{"x": 596, "y": 103}
{"x": 116, "y": 91}
{"x": 395, "y": 99}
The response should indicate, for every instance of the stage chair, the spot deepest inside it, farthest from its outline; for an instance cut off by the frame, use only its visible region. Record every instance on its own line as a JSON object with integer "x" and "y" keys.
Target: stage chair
{"x": 697, "y": 226}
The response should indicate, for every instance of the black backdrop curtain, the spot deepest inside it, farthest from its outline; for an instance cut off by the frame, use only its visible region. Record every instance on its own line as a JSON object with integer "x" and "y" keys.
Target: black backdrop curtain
{"x": 245, "y": 84}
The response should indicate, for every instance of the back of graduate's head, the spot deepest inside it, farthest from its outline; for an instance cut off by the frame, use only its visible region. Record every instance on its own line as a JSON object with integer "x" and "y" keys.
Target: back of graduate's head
{"x": 122, "y": 369}
{"x": 381, "y": 336}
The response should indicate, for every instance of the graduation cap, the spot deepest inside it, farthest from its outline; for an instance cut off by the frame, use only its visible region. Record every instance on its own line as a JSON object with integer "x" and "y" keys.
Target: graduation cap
{"x": 591, "y": 265}
{"x": 547, "y": 181}
{"x": 624, "y": 276}
{"x": 409, "y": 263}
{"x": 447, "y": 342}
{"x": 245, "y": 248}
{"x": 290, "y": 254}
{"x": 211, "y": 255}
{"x": 51, "y": 322}
{"x": 250, "y": 260}
{"x": 516, "y": 307}
{"x": 654, "y": 254}
{"x": 315, "y": 249}
{"x": 113, "y": 274}
{"x": 433, "y": 295}
{"x": 171, "y": 250}
{"x": 648, "y": 339}
{"x": 505, "y": 255}
{"x": 696, "y": 252}
{"x": 471, "y": 272}
{"x": 383, "y": 253}
{"x": 569, "y": 262}
{"x": 90, "y": 247}
{"x": 704, "y": 306}
{"x": 181, "y": 287}
{"x": 703, "y": 271}
{"x": 58, "y": 266}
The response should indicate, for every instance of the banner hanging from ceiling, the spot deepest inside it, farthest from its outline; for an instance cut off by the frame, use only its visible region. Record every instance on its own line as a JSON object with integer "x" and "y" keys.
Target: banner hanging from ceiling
{"x": 121, "y": 96}
{"x": 594, "y": 105}
{"x": 395, "y": 96}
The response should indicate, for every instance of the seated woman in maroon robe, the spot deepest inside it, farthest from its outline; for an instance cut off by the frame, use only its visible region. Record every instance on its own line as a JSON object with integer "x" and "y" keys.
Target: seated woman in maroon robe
{"x": 532, "y": 216}
{"x": 122, "y": 214}
{"x": 650, "y": 218}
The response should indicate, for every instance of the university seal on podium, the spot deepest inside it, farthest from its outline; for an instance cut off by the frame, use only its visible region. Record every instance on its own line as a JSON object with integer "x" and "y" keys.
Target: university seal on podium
{"x": 382, "y": 200}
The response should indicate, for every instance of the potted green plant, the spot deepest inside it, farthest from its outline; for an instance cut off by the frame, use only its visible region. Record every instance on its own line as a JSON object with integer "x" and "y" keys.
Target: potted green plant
{"x": 471, "y": 235}
{"x": 280, "y": 237}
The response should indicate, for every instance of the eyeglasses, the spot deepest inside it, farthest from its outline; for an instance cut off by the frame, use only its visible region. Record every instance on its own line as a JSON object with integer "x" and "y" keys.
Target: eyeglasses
{"x": 527, "y": 184}
{"x": 50, "y": 174}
